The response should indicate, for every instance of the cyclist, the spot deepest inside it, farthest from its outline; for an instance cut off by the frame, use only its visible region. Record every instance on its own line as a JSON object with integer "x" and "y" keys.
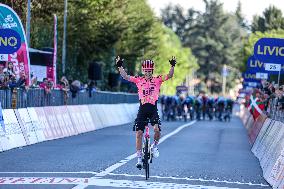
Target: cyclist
{"x": 148, "y": 92}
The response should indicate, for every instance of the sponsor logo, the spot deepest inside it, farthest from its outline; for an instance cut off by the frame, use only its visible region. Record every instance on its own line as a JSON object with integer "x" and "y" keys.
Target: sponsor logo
{"x": 268, "y": 50}
{"x": 10, "y": 41}
{"x": 250, "y": 76}
{"x": 9, "y": 22}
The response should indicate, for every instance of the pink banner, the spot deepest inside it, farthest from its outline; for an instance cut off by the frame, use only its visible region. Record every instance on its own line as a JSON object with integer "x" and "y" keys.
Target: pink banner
{"x": 20, "y": 62}
{"x": 55, "y": 49}
{"x": 51, "y": 68}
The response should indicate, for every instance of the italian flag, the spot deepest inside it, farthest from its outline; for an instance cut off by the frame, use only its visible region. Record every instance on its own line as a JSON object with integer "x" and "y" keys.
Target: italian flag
{"x": 256, "y": 106}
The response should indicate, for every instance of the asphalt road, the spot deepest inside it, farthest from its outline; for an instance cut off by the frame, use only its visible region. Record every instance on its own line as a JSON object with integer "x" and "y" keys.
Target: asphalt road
{"x": 203, "y": 155}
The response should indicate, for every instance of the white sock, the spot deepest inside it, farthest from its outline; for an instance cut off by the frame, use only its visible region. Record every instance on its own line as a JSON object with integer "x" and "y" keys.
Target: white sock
{"x": 139, "y": 153}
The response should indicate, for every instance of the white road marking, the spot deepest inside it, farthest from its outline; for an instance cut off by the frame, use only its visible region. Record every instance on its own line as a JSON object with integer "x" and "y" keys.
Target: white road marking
{"x": 142, "y": 176}
{"x": 71, "y": 172}
{"x": 192, "y": 179}
{"x": 127, "y": 159}
{"x": 98, "y": 182}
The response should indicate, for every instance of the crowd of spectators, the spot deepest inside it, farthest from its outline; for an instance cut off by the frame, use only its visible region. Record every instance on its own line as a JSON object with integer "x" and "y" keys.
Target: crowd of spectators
{"x": 272, "y": 95}
{"x": 10, "y": 80}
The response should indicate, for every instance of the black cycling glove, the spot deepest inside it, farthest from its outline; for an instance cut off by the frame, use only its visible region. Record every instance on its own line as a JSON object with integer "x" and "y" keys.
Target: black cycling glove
{"x": 119, "y": 63}
{"x": 173, "y": 62}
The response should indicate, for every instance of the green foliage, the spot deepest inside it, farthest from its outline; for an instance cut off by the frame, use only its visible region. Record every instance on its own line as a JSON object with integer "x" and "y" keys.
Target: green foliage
{"x": 214, "y": 36}
{"x": 167, "y": 44}
{"x": 272, "y": 19}
{"x": 240, "y": 17}
{"x": 99, "y": 30}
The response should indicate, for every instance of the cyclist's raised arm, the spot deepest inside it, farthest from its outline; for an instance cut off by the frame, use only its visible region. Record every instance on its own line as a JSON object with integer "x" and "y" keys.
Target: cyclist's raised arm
{"x": 122, "y": 72}
{"x": 172, "y": 70}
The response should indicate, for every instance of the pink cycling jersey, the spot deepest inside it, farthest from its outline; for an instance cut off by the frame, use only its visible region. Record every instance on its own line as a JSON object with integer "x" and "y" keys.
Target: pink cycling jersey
{"x": 148, "y": 89}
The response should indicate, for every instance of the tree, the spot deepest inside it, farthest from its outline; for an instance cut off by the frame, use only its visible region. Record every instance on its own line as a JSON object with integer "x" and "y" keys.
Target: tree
{"x": 100, "y": 30}
{"x": 168, "y": 44}
{"x": 214, "y": 36}
{"x": 272, "y": 19}
{"x": 240, "y": 17}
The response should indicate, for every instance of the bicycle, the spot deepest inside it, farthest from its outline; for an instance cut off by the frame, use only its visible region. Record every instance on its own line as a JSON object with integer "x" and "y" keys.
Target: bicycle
{"x": 147, "y": 156}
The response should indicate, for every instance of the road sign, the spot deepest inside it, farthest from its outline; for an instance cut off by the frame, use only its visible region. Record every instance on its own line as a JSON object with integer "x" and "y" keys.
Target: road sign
{"x": 273, "y": 67}
{"x": 225, "y": 71}
{"x": 260, "y": 75}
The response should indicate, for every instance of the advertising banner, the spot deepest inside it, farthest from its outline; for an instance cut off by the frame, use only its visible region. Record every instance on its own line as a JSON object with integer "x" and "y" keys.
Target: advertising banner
{"x": 251, "y": 76}
{"x": 20, "y": 58}
{"x": 54, "y": 50}
{"x": 2, "y": 119}
{"x": 269, "y": 50}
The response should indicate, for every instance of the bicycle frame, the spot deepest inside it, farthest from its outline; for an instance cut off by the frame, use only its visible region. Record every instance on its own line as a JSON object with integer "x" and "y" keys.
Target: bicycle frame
{"x": 147, "y": 133}
{"x": 147, "y": 154}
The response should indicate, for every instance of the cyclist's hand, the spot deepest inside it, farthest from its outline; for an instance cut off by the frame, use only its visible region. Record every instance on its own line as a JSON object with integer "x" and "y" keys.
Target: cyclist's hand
{"x": 118, "y": 61}
{"x": 173, "y": 61}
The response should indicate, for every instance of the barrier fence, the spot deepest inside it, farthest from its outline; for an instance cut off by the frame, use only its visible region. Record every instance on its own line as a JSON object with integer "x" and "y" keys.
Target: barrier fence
{"x": 39, "y": 98}
{"x": 26, "y": 126}
{"x": 266, "y": 136}
{"x": 276, "y": 110}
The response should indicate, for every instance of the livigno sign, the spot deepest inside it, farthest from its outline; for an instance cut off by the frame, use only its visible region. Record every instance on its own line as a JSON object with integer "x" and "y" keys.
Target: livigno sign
{"x": 10, "y": 41}
{"x": 269, "y": 50}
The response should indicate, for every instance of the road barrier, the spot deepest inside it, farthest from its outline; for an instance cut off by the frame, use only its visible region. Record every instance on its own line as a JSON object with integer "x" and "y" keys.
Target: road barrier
{"x": 11, "y": 134}
{"x": 27, "y": 126}
{"x": 267, "y": 139}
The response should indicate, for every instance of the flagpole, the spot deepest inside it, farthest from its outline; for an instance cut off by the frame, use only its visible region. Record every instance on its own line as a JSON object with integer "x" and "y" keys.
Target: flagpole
{"x": 64, "y": 38}
{"x": 279, "y": 77}
{"x": 28, "y": 23}
{"x": 55, "y": 49}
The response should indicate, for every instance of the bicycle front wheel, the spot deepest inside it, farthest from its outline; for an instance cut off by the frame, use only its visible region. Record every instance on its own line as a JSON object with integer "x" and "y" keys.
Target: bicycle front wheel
{"x": 146, "y": 158}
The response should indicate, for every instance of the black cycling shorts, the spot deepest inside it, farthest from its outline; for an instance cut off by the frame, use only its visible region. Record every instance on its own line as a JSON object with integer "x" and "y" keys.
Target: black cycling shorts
{"x": 147, "y": 113}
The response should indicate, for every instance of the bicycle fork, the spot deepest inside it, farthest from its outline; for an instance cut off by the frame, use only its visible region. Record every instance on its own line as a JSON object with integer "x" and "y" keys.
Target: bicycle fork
{"x": 147, "y": 146}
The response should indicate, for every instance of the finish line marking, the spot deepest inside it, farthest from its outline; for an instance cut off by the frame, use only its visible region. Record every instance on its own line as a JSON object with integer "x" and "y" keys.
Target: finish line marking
{"x": 71, "y": 172}
{"x": 98, "y": 182}
{"x": 192, "y": 179}
{"x": 127, "y": 159}
{"x": 142, "y": 176}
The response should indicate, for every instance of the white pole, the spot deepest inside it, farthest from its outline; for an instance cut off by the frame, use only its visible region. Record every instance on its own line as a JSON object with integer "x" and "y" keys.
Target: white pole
{"x": 28, "y": 23}
{"x": 279, "y": 77}
{"x": 64, "y": 37}
{"x": 224, "y": 79}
